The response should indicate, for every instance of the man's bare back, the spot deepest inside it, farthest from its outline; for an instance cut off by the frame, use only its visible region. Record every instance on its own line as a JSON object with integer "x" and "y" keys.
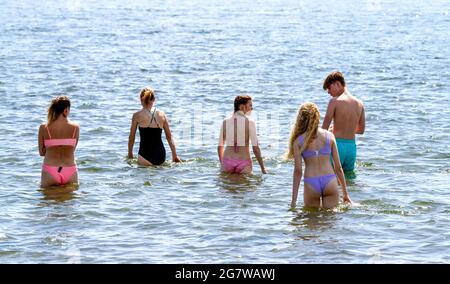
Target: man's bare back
{"x": 347, "y": 114}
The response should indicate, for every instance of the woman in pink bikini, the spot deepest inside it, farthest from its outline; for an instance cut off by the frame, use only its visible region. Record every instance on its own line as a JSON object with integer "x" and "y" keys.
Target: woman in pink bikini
{"x": 235, "y": 133}
{"x": 315, "y": 145}
{"x": 57, "y": 142}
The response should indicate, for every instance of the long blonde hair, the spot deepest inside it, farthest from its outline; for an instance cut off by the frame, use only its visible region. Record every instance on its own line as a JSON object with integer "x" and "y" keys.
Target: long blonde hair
{"x": 57, "y": 107}
{"x": 308, "y": 118}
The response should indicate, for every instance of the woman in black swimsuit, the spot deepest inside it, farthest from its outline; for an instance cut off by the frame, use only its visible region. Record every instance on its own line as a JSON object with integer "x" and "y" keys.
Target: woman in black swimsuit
{"x": 151, "y": 122}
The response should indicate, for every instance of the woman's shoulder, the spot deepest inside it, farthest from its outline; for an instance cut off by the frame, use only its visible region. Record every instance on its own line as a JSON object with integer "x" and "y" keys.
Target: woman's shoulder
{"x": 137, "y": 114}
{"x": 228, "y": 118}
{"x": 161, "y": 115}
{"x": 160, "y": 112}
{"x": 42, "y": 126}
{"x": 74, "y": 124}
{"x": 328, "y": 134}
{"x": 251, "y": 120}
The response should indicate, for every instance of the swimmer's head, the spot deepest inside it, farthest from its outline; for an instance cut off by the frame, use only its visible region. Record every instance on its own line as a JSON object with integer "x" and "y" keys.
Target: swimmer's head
{"x": 334, "y": 83}
{"x": 307, "y": 123}
{"x": 147, "y": 96}
{"x": 59, "y": 106}
{"x": 243, "y": 103}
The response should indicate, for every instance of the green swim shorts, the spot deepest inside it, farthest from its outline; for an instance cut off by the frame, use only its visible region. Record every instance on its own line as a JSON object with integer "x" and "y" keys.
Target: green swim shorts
{"x": 347, "y": 153}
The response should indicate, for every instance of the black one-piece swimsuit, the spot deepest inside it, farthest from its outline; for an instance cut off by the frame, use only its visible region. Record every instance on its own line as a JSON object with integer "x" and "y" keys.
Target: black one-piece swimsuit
{"x": 151, "y": 146}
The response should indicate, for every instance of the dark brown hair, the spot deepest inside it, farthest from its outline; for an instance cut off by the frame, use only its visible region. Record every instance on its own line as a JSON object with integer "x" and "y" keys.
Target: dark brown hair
{"x": 147, "y": 95}
{"x": 240, "y": 100}
{"x": 333, "y": 77}
{"x": 57, "y": 107}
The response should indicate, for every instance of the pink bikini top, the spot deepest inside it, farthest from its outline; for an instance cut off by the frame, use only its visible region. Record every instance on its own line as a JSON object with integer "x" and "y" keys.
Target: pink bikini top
{"x": 60, "y": 142}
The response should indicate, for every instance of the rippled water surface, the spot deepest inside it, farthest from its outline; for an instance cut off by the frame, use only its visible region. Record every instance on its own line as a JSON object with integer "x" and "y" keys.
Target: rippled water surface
{"x": 198, "y": 56}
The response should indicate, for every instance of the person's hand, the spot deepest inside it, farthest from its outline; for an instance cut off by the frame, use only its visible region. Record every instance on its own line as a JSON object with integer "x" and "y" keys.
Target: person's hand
{"x": 176, "y": 160}
{"x": 347, "y": 199}
{"x": 293, "y": 205}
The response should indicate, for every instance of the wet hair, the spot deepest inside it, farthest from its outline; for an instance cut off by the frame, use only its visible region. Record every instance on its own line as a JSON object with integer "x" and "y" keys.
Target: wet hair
{"x": 57, "y": 107}
{"x": 307, "y": 122}
{"x": 333, "y": 77}
{"x": 240, "y": 100}
{"x": 147, "y": 95}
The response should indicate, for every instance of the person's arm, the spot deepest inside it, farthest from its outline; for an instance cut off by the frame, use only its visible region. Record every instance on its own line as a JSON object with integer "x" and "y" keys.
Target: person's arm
{"x": 338, "y": 170}
{"x": 255, "y": 144}
{"x": 361, "y": 127}
{"x": 329, "y": 115}
{"x": 41, "y": 140}
{"x": 77, "y": 133}
{"x": 258, "y": 156}
{"x": 222, "y": 138}
{"x": 132, "y": 137}
{"x": 297, "y": 176}
{"x": 170, "y": 140}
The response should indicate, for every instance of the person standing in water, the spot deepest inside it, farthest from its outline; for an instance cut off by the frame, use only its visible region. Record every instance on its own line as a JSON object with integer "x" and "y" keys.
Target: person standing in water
{"x": 315, "y": 145}
{"x": 57, "y": 140}
{"x": 235, "y": 133}
{"x": 347, "y": 114}
{"x": 151, "y": 122}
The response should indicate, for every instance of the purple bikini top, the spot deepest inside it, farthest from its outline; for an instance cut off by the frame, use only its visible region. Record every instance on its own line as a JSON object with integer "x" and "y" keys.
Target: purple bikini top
{"x": 324, "y": 151}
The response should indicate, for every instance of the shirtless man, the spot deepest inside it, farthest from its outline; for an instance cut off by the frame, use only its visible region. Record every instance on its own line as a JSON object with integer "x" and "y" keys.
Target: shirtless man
{"x": 347, "y": 114}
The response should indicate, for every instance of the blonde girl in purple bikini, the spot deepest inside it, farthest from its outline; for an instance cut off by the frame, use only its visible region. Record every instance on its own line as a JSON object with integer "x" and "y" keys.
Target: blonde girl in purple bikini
{"x": 315, "y": 145}
{"x": 236, "y": 133}
{"x": 57, "y": 140}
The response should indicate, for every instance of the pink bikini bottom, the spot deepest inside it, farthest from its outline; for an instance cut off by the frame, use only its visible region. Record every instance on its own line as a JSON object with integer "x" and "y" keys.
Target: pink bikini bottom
{"x": 235, "y": 165}
{"x": 61, "y": 175}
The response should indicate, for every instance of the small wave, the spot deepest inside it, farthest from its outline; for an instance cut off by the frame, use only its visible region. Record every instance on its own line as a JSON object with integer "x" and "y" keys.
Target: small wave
{"x": 422, "y": 203}
{"x": 397, "y": 212}
{"x": 204, "y": 31}
{"x": 88, "y": 106}
{"x": 364, "y": 164}
{"x": 10, "y": 160}
{"x": 151, "y": 32}
{"x": 374, "y": 202}
{"x": 99, "y": 130}
{"x": 93, "y": 169}
{"x": 8, "y": 252}
{"x": 181, "y": 72}
{"x": 37, "y": 29}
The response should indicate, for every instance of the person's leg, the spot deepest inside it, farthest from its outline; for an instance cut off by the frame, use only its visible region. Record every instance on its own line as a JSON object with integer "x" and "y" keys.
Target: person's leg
{"x": 228, "y": 165}
{"x": 311, "y": 198}
{"x": 69, "y": 175}
{"x": 330, "y": 198}
{"x": 244, "y": 167}
{"x": 47, "y": 180}
{"x": 246, "y": 170}
{"x": 143, "y": 162}
{"x": 49, "y": 176}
